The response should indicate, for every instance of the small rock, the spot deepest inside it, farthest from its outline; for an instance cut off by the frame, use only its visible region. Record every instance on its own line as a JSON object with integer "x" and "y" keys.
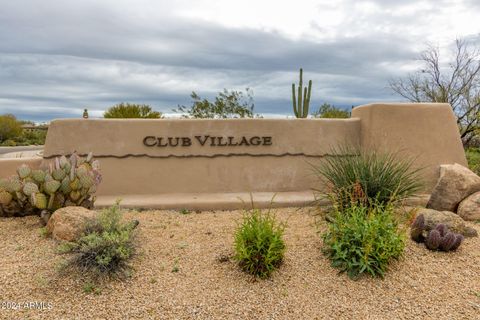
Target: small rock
{"x": 453, "y": 221}
{"x": 469, "y": 208}
{"x": 68, "y": 223}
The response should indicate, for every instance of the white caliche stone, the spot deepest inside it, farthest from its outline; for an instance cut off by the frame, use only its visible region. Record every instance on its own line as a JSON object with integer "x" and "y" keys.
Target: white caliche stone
{"x": 469, "y": 208}
{"x": 455, "y": 184}
{"x": 450, "y": 219}
{"x": 69, "y": 223}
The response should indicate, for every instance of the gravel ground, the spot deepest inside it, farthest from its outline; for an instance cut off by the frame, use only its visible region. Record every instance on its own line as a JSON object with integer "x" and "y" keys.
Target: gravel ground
{"x": 422, "y": 285}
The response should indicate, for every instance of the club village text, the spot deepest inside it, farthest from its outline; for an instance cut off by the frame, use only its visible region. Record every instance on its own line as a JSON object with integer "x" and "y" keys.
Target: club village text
{"x": 206, "y": 140}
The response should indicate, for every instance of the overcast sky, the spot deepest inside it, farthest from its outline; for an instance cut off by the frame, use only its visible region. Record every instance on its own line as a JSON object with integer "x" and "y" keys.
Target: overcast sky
{"x": 57, "y": 57}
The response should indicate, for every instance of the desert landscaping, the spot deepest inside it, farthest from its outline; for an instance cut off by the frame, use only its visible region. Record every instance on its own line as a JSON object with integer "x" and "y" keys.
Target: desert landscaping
{"x": 362, "y": 233}
{"x": 208, "y": 284}
{"x": 240, "y": 160}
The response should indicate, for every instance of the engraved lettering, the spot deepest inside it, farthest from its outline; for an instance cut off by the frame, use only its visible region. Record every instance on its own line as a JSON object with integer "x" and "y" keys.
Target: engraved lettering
{"x": 212, "y": 143}
{"x": 202, "y": 142}
{"x": 220, "y": 142}
{"x": 149, "y": 141}
{"x": 244, "y": 142}
{"x": 267, "y": 141}
{"x": 170, "y": 141}
{"x": 159, "y": 144}
{"x": 230, "y": 141}
{"x": 255, "y": 141}
{"x": 186, "y": 142}
{"x": 207, "y": 140}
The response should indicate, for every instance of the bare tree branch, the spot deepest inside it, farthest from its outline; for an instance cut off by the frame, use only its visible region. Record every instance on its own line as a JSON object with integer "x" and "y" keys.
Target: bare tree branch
{"x": 458, "y": 84}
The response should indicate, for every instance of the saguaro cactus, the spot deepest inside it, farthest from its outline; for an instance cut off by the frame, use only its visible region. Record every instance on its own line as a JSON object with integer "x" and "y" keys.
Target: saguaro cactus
{"x": 301, "y": 104}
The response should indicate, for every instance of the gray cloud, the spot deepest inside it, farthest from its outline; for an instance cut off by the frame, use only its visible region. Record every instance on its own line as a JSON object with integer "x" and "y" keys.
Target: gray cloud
{"x": 56, "y": 58}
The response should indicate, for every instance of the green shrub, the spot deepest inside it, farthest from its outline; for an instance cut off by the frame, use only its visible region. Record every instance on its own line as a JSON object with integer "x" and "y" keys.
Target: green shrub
{"x": 8, "y": 143}
{"x": 10, "y": 127}
{"x": 473, "y": 158}
{"x": 131, "y": 110}
{"x": 259, "y": 246}
{"x": 382, "y": 177}
{"x": 32, "y": 137}
{"x": 106, "y": 245}
{"x": 363, "y": 239}
{"x": 327, "y": 110}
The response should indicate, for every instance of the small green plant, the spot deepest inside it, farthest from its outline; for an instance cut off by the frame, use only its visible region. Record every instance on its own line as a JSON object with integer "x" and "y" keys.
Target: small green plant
{"x": 378, "y": 177}
{"x": 363, "y": 239}
{"x": 90, "y": 287}
{"x": 43, "y": 232}
{"x": 185, "y": 211}
{"x": 65, "y": 247}
{"x": 176, "y": 267}
{"x": 301, "y": 104}
{"x": 259, "y": 247}
{"x": 42, "y": 281}
{"x": 106, "y": 246}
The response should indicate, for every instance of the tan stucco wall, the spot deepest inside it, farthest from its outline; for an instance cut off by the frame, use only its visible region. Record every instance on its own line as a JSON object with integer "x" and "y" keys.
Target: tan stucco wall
{"x": 130, "y": 167}
{"x": 424, "y": 131}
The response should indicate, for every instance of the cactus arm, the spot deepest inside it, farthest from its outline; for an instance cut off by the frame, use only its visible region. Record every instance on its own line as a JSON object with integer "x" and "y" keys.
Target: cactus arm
{"x": 294, "y": 99}
{"x": 299, "y": 102}
{"x": 300, "y": 85}
{"x": 309, "y": 93}
{"x": 305, "y": 103}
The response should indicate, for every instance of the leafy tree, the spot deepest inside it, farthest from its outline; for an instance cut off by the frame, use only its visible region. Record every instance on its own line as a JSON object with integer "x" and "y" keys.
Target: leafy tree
{"x": 327, "y": 110}
{"x": 458, "y": 84}
{"x": 228, "y": 104}
{"x": 131, "y": 110}
{"x": 9, "y": 127}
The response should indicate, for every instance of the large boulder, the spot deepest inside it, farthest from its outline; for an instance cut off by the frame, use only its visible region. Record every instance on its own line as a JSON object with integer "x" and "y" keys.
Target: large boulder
{"x": 450, "y": 219}
{"x": 455, "y": 184}
{"x": 69, "y": 223}
{"x": 469, "y": 208}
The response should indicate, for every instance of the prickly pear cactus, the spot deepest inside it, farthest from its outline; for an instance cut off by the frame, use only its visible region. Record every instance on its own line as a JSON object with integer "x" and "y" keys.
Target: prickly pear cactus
{"x": 66, "y": 182}
{"x": 5, "y": 197}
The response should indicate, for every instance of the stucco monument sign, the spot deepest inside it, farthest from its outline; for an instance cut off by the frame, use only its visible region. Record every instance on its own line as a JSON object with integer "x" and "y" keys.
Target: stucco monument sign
{"x": 170, "y": 163}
